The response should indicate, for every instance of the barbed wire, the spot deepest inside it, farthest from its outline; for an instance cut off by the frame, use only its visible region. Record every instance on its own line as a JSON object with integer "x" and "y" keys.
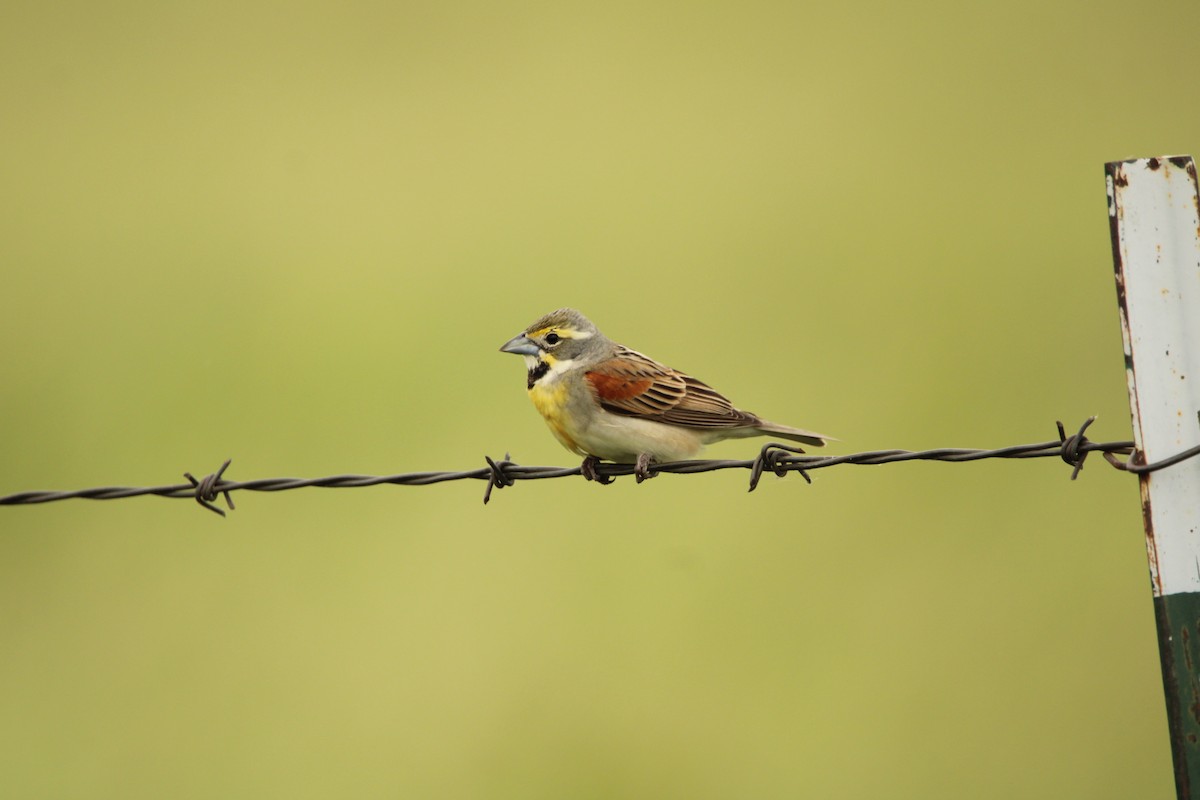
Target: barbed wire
{"x": 773, "y": 457}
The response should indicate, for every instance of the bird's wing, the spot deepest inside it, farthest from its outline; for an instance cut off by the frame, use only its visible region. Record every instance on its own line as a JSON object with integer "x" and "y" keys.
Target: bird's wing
{"x": 636, "y": 385}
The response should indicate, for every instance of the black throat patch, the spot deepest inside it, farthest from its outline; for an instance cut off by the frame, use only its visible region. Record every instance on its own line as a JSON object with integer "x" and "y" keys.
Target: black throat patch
{"x": 536, "y": 373}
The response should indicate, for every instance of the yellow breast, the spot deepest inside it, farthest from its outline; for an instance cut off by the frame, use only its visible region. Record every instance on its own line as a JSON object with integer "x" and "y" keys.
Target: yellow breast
{"x": 551, "y": 403}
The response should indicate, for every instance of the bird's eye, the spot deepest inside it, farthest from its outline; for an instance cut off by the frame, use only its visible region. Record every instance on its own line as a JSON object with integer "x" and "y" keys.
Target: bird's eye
{"x": 552, "y": 338}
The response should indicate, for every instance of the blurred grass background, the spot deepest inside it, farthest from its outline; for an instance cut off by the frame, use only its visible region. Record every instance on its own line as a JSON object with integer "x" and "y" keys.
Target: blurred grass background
{"x": 296, "y": 234}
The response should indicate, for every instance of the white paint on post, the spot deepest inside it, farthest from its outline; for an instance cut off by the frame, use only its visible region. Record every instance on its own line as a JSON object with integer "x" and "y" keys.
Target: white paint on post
{"x": 1154, "y": 208}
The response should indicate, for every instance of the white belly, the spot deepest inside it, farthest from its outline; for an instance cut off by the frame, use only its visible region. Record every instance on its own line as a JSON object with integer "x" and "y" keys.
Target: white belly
{"x": 621, "y": 439}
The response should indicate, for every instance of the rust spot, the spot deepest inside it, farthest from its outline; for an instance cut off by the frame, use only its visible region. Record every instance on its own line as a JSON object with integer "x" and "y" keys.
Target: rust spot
{"x": 1183, "y": 162}
{"x": 1121, "y": 180}
{"x": 1148, "y": 523}
{"x": 1191, "y": 171}
{"x": 1153, "y": 163}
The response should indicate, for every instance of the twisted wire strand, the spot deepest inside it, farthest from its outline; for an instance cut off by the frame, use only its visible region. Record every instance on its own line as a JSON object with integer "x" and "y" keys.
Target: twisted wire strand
{"x": 773, "y": 457}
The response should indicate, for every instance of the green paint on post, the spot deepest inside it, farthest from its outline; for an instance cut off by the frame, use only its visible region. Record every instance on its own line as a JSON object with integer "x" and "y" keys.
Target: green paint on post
{"x": 1178, "y": 617}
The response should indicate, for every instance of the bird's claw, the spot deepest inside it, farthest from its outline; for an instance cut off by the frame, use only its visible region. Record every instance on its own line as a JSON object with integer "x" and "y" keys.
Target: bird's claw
{"x": 589, "y": 472}
{"x": 642, "y": 470}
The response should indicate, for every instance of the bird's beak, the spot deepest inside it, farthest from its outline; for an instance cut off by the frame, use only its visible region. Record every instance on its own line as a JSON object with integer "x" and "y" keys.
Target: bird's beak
{"x": 521, "y": 345}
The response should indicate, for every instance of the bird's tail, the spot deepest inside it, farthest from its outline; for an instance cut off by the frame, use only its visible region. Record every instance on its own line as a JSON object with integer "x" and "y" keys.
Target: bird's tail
{"x": 794, "y": 434}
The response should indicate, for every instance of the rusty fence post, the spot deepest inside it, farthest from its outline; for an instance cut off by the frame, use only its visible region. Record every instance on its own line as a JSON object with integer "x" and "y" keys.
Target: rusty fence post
{"x": 1154, "y": 214}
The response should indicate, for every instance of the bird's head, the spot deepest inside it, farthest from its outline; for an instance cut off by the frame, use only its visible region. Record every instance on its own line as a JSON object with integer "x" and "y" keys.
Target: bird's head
{"x": 557, "y": 341}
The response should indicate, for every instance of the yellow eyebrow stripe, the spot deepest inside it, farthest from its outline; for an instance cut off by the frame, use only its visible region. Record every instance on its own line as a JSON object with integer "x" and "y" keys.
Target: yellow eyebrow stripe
{"x": 565, "y": 333}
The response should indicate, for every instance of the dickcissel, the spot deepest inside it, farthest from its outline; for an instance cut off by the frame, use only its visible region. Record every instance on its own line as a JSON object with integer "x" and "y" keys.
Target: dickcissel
{"x": 605, "y": 401}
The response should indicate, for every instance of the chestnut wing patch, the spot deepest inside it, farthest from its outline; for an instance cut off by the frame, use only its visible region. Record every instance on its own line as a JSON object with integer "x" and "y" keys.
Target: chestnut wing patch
{"x": 636, "y": 385}
{"x": 617, "y": 388}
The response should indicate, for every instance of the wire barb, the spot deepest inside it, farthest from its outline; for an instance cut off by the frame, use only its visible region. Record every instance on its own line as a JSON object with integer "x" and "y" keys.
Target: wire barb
{"x": 773, "y": 456}
{"x": 1072, "y": 446}
{"x": 208, "y": 487}
{"x": 499, "y": 477}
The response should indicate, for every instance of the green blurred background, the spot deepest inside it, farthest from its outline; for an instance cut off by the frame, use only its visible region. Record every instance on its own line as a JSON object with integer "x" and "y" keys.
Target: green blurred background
{"x": 296, "y": 234}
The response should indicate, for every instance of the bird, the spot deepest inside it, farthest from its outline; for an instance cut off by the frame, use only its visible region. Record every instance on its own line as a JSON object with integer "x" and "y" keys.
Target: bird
{"x": 603, "y": 400}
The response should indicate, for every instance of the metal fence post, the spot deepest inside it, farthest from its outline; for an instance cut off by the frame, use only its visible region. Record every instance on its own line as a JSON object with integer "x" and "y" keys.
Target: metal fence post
{"x": 1154, "y": 214}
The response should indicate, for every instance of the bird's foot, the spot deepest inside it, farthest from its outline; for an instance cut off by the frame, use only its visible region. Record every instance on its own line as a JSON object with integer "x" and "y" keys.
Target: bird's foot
{"x": 642, "y": 470}
{"x": 589, "y": 472}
